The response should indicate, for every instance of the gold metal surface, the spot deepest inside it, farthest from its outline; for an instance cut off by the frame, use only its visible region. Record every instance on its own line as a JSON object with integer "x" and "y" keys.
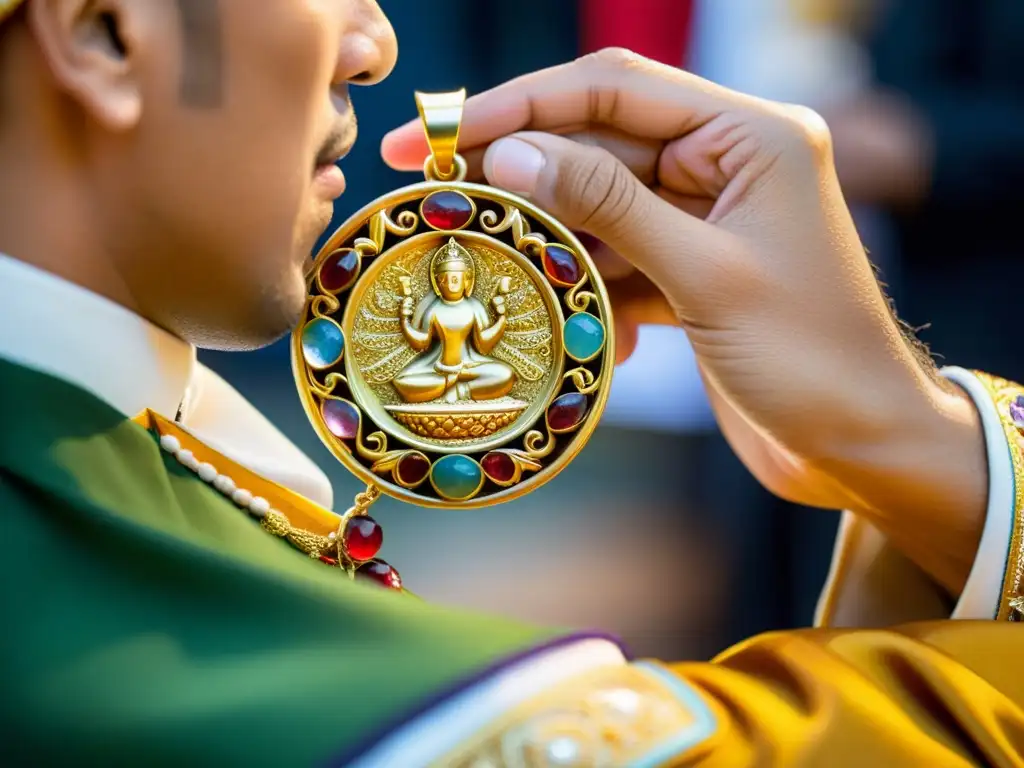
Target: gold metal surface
{"x": 453, "y": 338}
{"x": 8, "y": 7}
{"x": 441, "y": 115}
{"x": 379, "y": 355}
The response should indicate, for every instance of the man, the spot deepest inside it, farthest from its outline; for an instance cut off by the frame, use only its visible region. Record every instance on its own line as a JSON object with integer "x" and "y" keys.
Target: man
{"x": 147, "y": 620}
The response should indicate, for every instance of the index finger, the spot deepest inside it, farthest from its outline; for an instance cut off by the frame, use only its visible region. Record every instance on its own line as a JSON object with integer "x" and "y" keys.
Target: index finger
{"x": 614, "y": 88}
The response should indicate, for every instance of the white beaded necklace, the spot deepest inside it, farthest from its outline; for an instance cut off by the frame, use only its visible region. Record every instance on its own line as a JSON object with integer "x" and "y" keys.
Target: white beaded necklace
{"x": 259, "y": 508}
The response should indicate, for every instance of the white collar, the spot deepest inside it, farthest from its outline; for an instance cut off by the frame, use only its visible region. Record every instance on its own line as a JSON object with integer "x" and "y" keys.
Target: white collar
{"x": 59, "y": 328}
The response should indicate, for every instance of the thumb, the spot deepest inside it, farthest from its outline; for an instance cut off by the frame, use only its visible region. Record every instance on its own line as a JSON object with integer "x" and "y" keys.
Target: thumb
{"x": 590, "y": 189}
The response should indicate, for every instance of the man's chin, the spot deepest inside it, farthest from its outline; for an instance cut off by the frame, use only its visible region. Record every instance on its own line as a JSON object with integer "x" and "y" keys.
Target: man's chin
{"x": 255, "y": 326}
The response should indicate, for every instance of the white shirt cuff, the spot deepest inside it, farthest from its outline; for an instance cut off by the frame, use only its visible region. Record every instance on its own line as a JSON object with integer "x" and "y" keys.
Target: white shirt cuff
{"x": 983, "y": 591}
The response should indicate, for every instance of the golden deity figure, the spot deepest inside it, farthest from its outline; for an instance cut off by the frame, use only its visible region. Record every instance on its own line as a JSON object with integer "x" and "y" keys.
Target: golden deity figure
{"x": 454, "y": 336}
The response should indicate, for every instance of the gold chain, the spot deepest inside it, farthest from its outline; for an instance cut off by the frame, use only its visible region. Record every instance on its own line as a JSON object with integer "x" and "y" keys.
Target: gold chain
{"x": 315, "y": 545}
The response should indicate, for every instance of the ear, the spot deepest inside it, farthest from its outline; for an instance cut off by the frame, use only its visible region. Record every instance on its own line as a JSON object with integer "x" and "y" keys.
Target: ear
{"x": 90, "y": 48}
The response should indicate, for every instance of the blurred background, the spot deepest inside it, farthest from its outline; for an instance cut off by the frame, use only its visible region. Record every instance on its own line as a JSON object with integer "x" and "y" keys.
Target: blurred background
{"x": 657, "y": 532}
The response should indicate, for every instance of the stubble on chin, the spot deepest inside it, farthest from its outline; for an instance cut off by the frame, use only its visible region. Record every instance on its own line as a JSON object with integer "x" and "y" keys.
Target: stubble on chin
{"x": 259, "y": 317}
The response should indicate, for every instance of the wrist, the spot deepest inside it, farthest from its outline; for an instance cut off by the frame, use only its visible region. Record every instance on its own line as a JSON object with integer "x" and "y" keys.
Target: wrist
{"x": 923, "y": 481}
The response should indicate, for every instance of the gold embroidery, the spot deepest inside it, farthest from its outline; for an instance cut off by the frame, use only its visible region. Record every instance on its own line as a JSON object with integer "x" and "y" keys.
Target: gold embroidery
{"x": 610, "y": 717}
{"x": 1004, "y": 394}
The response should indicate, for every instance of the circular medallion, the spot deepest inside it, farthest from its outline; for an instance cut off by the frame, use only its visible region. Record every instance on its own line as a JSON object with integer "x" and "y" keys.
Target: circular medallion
{"x": 457, "y": 347}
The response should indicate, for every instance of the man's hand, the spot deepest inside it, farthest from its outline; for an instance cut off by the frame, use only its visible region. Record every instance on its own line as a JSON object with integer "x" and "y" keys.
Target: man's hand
{"x": 726, "y": 217}
{"x": 883, "y": 150}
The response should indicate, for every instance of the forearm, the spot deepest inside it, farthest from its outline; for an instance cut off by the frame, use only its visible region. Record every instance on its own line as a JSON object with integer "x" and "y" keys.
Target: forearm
{"x": 924, "y": 486}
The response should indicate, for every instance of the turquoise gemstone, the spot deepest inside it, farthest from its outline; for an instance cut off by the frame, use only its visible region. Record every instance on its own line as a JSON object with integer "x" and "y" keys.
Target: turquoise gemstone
{"x": 583, "y": 336}
{"x": 456, "y": 477}
{"x": 322, "y": 342}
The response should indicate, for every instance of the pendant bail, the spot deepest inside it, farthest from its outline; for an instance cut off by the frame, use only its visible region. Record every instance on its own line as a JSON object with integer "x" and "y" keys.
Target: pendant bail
{"x": 441, "y": 114}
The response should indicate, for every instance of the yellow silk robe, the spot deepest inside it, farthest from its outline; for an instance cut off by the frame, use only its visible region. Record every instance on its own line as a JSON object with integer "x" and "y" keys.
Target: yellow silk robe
{"x": 880, "y": 692}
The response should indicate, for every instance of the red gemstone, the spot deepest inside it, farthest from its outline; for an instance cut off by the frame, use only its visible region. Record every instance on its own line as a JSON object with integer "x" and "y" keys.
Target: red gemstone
{"x": 499, "y": 467}
{"x": 561, "y": 265}
{"x": 363, "y": 537}
{"x": 413, "y": 469}
{"x": 381, "y": 573}
{"x": 328, "y": 560}
{"x": 339, "y": 270}
{"x": 447, "y": 210}
{"x": 567, "y": 412}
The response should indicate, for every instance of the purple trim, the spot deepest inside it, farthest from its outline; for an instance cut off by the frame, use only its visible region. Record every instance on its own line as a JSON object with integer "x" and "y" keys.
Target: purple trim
{"x": 365, "y": 745}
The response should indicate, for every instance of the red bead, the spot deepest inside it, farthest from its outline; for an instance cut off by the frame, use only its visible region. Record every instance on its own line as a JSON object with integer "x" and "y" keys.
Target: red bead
{"x": 328, "y": 560}
{"x": 363, "y": 538}
{"x": 339, "y": 270}
{"x": 567, "y": 412}
{"x": 498, "y": 466}
{"x": 413, "y": 469}
{"x": 561, "y": 265}
{"x": 447, "y": 210}
{"x": 380, "y": 573}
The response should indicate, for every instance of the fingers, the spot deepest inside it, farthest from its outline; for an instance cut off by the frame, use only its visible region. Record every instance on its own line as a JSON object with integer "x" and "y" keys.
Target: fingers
{"x": 626, "y": 335}
{"x": 613, "y": 88}
{"x": 640, "y": 155}
{"x": 588, "y": 188}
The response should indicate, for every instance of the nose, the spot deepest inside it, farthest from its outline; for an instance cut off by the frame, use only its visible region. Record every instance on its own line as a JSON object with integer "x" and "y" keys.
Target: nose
{"x": 368, "y": 47}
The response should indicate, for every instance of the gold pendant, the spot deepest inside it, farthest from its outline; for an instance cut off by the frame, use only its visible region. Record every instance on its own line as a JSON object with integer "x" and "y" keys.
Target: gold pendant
{"x": 457, "y": 344}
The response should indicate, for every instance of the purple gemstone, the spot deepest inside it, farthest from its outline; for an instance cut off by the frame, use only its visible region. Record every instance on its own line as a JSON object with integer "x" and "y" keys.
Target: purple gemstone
{"x": 1017, "y": 414}
{"x": 341, "y": 418}
{"x": 567, "y": 412}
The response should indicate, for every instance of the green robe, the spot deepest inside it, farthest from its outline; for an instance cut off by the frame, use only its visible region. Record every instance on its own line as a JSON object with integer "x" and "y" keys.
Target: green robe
{"x": 149, "y": 621}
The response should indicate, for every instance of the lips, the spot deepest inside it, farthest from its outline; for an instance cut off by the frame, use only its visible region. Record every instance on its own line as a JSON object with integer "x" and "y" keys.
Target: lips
{"x": 330, "y": 180}
{"x": 327, "y": 175}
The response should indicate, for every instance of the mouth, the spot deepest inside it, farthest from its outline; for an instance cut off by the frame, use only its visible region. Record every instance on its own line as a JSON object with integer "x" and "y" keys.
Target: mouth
{"x": 326, "y": 173}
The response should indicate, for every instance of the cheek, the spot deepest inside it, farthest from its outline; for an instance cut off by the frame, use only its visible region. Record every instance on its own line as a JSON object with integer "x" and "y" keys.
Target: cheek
{"x": 279, "y": 68}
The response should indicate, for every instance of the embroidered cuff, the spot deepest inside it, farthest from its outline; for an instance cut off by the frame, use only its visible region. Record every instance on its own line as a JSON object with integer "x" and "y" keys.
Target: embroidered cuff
{"x": 464, "y": 717}
{"x": 994, "y": 586}
{"x": 639, "y": 715}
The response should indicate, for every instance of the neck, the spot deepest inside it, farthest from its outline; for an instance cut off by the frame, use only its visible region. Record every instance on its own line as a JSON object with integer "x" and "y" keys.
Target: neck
{"x": 47, "y": 218}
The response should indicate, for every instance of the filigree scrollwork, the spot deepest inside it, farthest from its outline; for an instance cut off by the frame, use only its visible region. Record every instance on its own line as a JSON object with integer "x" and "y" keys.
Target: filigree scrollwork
{"x": 380, "y": 225}
{"x": 367, "y": 247}
{"x": 498, "y": 413}
{"x": 374, "y": 447}
{"x": 577, "y": 299}
{"x": 530, "y": 243}
{"x": 387, "y": 462}
{"x": 403, "y": 224}
{"x": 328, "y": 385}
{"x": 324, "y": 305}
{"x": 538, "y": 444}
{"x": 583, "y": 379}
